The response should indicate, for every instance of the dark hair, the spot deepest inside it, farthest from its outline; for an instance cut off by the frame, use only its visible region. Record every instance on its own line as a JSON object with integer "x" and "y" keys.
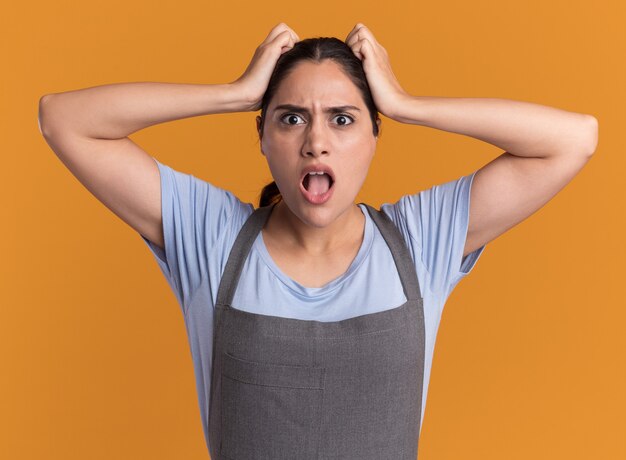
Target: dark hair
{"x": 315, "y": 50}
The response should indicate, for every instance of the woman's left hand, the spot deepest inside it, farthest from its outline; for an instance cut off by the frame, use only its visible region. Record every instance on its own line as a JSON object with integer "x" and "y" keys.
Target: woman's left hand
{"x": 385, "y": 88}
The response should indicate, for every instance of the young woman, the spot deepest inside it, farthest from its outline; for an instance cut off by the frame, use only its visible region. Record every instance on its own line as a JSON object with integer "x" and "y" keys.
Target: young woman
{"x": 312, "y": 319}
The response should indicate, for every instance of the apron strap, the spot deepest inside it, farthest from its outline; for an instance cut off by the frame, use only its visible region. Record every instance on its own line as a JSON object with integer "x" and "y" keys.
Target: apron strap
{"x": 239, "y": 253}
{"x": 400, "y": 252}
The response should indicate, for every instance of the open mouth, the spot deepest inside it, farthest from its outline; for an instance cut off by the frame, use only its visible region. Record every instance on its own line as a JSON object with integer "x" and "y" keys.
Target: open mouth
{"x": 317, "y": 184}
{"x": 317, "y": 188}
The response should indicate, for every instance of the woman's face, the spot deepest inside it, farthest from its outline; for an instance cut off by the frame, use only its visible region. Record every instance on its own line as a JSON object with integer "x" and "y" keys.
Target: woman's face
{"x": 310, "y": 134}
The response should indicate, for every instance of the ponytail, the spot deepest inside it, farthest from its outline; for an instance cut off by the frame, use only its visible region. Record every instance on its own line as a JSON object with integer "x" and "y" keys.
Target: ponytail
{"x": 270, "y": 195}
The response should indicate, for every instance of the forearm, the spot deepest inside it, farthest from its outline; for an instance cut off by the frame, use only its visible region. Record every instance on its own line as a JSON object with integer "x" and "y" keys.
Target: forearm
{"x": 518, "y": 127}
{"x": 114, "y": 111}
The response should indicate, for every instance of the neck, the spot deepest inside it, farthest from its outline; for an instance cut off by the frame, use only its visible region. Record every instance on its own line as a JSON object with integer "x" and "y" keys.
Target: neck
{"x": 287, "y": 228}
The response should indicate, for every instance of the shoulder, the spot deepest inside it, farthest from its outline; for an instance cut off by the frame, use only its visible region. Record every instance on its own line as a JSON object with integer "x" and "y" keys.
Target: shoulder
{"x": 438, "y": 203}
{"x": 199, "y": 218}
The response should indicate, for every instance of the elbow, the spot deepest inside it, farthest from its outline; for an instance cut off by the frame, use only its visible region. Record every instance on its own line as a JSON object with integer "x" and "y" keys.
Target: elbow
{"x": 43, "y": 115}
{"x": 591, "y": 128}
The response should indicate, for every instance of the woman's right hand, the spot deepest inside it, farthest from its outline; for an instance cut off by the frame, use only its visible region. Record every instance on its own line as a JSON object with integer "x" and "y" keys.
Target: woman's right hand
{"x": 256, "y": 77}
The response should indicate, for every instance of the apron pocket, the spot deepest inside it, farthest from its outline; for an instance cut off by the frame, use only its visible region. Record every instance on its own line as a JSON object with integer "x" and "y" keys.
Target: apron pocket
{"x": 270, "y": 411}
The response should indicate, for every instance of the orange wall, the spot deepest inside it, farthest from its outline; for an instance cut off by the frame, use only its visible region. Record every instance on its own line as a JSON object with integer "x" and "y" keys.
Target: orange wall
{"x": 529, "y": 362}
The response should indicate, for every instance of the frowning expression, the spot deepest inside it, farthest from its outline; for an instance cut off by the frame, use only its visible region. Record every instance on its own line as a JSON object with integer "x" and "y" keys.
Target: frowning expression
{"x": 318, "y": 118}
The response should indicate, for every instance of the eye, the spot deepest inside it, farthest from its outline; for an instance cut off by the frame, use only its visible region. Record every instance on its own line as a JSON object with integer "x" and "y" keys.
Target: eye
{"x": 345, "y": 117}
{"x": 290, "y": 117}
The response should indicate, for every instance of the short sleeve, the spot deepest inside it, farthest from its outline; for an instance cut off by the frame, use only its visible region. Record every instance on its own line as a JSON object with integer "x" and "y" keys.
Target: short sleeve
{"x": 437, "y": 219}
{"x": 194, "y": 214}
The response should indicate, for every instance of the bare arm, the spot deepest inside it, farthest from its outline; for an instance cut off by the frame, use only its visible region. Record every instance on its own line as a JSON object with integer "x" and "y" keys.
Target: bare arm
{"x": 118, "y": 110}
{"x": 545, "y": 148}
{"x": 88, "y": 129}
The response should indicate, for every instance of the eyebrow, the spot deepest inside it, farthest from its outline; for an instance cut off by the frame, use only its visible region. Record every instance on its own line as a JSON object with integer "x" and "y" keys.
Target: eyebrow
{"x": 335, "y": 109}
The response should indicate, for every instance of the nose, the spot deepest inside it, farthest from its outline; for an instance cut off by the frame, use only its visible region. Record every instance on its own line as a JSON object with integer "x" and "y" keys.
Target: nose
{"x": 316, "y": 141}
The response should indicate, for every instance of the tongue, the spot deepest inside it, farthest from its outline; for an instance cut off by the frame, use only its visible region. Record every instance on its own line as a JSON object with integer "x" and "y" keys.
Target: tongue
{"x": 319, "y": 183}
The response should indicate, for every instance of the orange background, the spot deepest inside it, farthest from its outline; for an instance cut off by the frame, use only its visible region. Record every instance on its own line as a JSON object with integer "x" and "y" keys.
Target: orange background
{"x": 529, "y": 362}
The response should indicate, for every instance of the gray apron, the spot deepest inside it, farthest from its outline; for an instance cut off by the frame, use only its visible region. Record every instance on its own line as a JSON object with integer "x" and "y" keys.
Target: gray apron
{"x": 290, "y": 389}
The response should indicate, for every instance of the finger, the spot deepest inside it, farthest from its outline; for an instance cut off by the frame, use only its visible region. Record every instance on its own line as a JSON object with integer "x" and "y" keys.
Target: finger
{"x": 357, "y": 26}
{"x": 363, "y": 32}
{"x": 294, "y": 36}
{"x": 360, "y": 30}
{"x": 283, "y": 41}
{"x": 353, "y": 39}
{"x": 276, "y": 30}
{"x": 290, "y": 43}
{"x": 367, "y": 50}
{"x": 360, "y": 49}
{"x": 358, "y": 35}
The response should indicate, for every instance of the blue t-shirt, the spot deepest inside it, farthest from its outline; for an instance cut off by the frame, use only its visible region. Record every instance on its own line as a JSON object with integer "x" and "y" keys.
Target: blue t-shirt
{"x": 201, "y": 222}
